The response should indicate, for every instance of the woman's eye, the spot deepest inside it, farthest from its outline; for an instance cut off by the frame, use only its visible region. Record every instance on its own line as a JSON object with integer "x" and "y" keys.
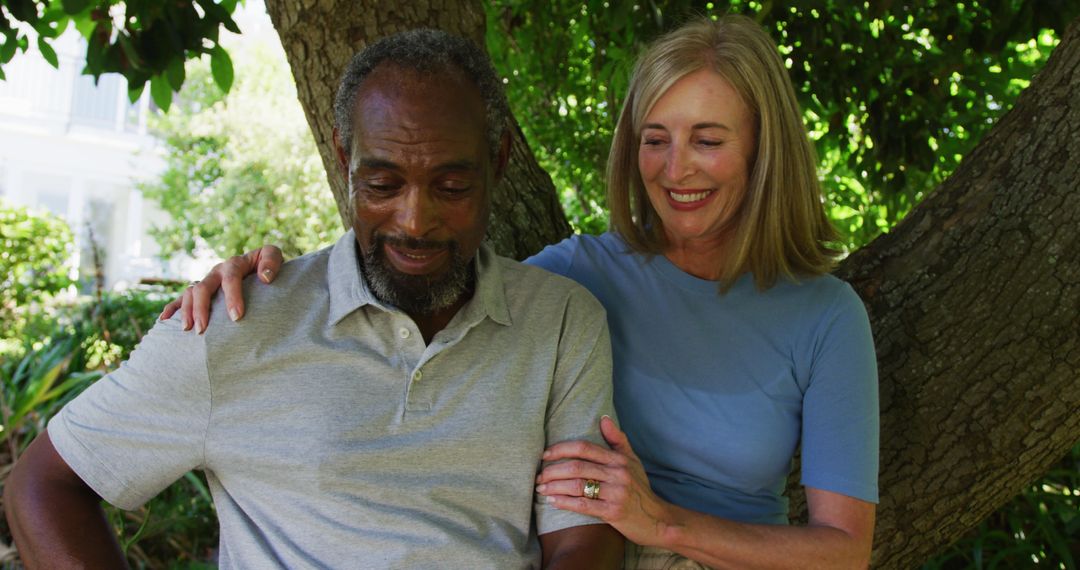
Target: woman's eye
{"x": 652, "y": 142}
{"x": 710, "y": 143}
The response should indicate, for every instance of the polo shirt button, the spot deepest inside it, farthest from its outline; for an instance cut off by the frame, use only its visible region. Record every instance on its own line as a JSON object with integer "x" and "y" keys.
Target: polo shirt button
{"x": 416, "y": 376}
{"x": 403, "y": 333}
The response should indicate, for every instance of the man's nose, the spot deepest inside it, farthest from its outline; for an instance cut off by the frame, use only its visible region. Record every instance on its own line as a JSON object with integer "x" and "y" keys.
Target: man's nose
{"x": 419, "y": 213}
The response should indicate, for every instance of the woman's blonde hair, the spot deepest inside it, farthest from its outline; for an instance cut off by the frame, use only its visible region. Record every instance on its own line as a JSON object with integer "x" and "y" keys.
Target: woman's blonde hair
{"x": 782, "y": 230}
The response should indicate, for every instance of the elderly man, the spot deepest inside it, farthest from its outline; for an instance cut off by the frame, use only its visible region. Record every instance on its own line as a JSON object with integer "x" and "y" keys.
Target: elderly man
{"x": 389, "y": 406}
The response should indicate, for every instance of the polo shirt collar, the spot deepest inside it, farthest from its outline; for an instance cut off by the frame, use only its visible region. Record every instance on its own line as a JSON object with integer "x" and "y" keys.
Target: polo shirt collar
{"x": 489, "y": 298}
{"x": 349, "y": 292}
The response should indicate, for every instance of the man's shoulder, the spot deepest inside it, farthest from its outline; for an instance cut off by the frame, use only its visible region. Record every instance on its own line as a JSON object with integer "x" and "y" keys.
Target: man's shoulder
{"x": 300, "y": 273}
{"x": 299, "y": 283}
{"x": 542, "y": 289}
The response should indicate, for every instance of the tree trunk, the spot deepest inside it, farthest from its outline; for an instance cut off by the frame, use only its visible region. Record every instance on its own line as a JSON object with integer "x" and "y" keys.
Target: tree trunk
{"x": 974, "y": 298}
{"x": 320, "y": 37}
{"x": 975, "y": 303}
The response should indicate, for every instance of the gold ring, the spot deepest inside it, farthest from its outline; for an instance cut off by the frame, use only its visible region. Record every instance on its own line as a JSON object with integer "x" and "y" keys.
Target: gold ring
{"x": 592, "y": 489}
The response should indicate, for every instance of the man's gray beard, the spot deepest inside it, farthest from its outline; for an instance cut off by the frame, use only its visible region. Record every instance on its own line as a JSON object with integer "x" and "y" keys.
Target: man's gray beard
{"x": 415, "y": 294}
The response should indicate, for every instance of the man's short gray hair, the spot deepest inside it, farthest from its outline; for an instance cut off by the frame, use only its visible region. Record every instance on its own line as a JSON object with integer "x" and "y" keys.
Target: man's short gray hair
{"x": 426, "y": 51}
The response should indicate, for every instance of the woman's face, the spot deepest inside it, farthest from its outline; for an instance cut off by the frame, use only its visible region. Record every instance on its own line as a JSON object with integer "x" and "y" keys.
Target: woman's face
{"x": 696, "y": 147}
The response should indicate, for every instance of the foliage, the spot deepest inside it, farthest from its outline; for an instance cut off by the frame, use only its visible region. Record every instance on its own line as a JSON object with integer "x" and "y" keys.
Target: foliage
{"x": 243, "y": 168}
{"x": 35, "y": 387}
{"x": 143, "y": 40}
{"x": 893, "y": 93}
{"x": 1039, "y": 528}
{"x": 35, "y": 248}
{"x": 80, "y": 343}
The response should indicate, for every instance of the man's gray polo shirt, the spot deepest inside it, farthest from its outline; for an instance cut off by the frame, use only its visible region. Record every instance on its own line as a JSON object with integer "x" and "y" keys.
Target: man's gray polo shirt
{"x": 332, "y": 437}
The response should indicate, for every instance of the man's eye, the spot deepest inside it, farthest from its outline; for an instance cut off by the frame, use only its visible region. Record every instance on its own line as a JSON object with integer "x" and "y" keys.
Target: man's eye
{"x": 380, "y": 187}
{"x": 453, "y": 186}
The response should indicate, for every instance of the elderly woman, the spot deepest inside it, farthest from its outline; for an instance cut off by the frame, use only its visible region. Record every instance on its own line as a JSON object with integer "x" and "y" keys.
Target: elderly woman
{"x": 733, "y": 345}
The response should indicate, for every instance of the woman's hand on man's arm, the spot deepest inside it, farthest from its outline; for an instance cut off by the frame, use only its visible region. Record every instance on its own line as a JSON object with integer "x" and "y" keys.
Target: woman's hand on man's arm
{"x": 839, "y": 534}
{"x": 194, "y": 304}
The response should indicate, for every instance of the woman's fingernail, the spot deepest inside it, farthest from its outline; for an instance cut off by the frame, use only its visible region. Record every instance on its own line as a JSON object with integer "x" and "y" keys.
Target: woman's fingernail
{"x": 185, "y": 324}
{"x": 546, "y": 455}
{"x": 266, "y": 273}
{"x": 234, "y": 314}
{"x": 541, "y": 488}
{"x": 202, "y": 327}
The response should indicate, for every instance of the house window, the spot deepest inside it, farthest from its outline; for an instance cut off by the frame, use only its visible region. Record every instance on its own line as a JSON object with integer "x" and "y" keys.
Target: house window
{"x": 96, "y": 105}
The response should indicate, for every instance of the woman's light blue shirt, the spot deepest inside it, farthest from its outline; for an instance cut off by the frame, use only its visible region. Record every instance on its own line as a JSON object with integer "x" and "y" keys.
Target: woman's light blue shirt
{"x": 717, "y": 391}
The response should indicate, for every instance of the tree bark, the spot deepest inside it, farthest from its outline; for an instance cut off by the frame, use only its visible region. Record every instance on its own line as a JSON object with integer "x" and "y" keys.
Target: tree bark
{"x": 975, "y": 304}
{"x": 320, "y": 37}
{"x": 974, "y": 298}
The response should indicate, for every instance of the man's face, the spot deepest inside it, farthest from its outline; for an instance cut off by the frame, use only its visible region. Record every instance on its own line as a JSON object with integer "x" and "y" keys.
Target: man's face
{"x": 420, "y": 175}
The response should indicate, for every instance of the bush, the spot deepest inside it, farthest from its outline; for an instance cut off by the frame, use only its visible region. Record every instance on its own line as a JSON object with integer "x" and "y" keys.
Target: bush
{"x": 35, "y": 253}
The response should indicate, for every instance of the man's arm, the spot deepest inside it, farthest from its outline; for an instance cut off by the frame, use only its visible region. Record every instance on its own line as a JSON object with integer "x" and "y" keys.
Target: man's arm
{"x": 581, "y": 394}
{"x": 588, "y": 546}
{"x": 56, "y": 519}
{"x": 125, "y": 438}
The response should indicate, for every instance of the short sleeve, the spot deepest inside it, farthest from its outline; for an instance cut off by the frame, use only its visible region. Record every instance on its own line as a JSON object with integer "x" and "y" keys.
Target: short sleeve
{"x": 840, "y": 406}
{"x": 135, "y": 431}
{"x": 555, "y": 258}
{"x": 580, "y": 394}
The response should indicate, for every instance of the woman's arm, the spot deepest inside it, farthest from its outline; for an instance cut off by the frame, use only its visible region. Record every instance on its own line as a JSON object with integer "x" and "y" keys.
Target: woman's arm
{"x": 194, "y": 304}
{"x": 839, "y": 533}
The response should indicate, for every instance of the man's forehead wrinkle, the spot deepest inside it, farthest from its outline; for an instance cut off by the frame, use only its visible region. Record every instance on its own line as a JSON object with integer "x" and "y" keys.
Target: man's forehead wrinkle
{"x": 377, "y": 152}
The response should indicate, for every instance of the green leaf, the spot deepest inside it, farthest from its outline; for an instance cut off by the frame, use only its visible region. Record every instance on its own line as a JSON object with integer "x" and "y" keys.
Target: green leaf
{"x": 61, "y": 26}
{"x": 2, "y": 76}
{"x": 133, "y": 58}
{"x": 175, "y": 72}
{"x": 38, "y": 387}
{"x": 161, "y": 92}
{"x": 8, "y": 48}
{"x": 75, "y": 6}
{"x": 217, "y": 13}
{"x": 48, "y": 52}
{"x": 135, "y": 91}
{"x": 230, "y": 24}
{"x": 85, "y": 24}
{"x": 25, "y": 10}
{"x": 222, "y": 68}
{"x": 95, "y": 55}
{"x": 52, "y": 22}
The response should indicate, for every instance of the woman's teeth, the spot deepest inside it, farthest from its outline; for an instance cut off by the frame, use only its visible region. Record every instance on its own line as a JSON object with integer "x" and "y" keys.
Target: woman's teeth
{"x": 689, "y": 197}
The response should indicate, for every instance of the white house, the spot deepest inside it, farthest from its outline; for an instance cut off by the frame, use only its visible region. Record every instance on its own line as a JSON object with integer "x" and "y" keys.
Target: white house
{"x": 76, "y": 149}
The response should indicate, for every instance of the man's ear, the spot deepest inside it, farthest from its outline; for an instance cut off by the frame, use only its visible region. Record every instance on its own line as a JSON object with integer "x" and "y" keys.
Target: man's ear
{"x": 503, "y": 158}
{"x": 339, "y": 153}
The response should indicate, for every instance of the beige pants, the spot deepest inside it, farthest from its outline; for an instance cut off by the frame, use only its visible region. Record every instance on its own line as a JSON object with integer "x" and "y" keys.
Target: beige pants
{"x": 652, "y": 558}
